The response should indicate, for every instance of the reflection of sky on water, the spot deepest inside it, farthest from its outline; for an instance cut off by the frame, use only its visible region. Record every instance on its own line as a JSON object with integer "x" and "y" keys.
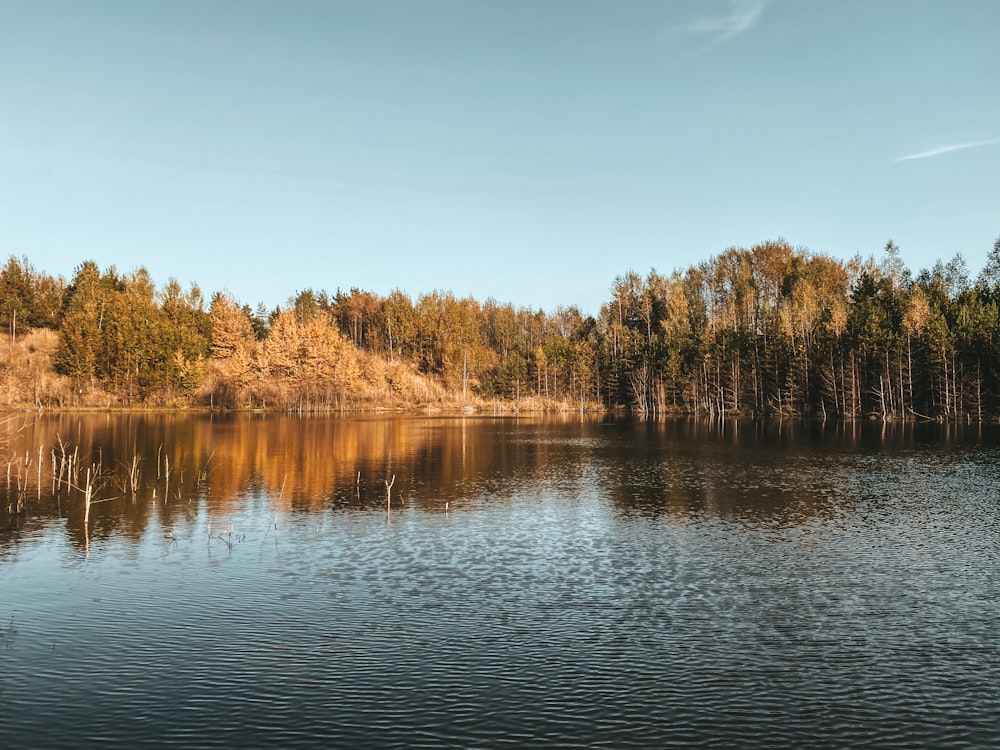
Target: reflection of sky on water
{"x": 582, "y": 582}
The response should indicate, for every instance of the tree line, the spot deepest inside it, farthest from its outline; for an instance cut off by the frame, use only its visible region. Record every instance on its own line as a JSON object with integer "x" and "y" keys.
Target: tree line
{"x": 769, "y": 330}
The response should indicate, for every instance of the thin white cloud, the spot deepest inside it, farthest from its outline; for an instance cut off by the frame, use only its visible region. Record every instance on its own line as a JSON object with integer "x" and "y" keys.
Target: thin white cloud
{"x": 946, "y": 150}
{"x": 742, "y": 16}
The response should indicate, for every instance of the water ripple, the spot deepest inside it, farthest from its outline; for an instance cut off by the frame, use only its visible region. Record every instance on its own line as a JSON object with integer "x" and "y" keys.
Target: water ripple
{"x": 581, "y": 607}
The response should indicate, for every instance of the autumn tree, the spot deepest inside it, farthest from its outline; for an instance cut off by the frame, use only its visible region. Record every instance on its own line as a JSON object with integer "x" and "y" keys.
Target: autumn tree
{"x": 233, "y": 346}
{"x": 309, "y": 361}
{"x": 399, "y": 321}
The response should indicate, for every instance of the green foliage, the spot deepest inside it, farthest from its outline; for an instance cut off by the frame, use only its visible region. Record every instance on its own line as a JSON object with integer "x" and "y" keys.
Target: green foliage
{"x": 28, "y": 299}
{"x": 117, "y": 331}
{"x": 765, "y": 330}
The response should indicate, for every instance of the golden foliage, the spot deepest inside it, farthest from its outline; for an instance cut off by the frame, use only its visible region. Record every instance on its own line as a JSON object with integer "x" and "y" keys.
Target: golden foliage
{"x": 918, "y": 313}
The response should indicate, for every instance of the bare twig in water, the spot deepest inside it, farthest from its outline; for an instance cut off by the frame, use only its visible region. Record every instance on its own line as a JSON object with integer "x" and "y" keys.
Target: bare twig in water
{"x": 388, "y": 492}
{"x": 274, "y": 525}
{"x": 229, "y": 536}
{"x": 133, "y": 476}
{"x": 129, "y": 481}
{"x": 203, "y": 474}
{"x": 92, "y": 483}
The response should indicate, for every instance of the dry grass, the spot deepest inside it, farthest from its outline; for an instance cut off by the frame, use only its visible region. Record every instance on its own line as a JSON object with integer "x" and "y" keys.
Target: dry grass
{"x": 28, "y": 381}
{"x": 26, "y": 376}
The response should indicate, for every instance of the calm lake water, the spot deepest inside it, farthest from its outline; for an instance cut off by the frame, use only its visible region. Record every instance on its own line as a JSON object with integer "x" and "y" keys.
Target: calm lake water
{"x": 534, "y": 582}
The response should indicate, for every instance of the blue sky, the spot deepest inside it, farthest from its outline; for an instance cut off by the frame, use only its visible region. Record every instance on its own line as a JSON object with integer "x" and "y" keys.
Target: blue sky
{"x": 525, "y": 151}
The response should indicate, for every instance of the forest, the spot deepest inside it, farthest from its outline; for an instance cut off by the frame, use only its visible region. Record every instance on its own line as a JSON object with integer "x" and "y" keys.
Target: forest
{"x": 767, "y": 331}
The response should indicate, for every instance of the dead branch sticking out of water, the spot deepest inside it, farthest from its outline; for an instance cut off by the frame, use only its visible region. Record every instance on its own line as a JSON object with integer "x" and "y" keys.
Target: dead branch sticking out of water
{"x": 129, "y": 481}
{"x": 94, "y": 480}
{"x": 65, "y": 461}
{"x": 388, "y": 494}
{"x": 69, "y": 465}
{"x": 228, "y": 534}
{"x": 88, "y": 491}
{"x": 133, "y": 475}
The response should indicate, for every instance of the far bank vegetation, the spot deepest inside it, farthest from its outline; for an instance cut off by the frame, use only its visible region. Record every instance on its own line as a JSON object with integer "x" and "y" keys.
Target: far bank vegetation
{"x": 770, "y": 330}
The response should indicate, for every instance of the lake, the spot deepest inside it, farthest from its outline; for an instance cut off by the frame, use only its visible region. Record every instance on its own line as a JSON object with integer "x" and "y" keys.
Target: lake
{"x": 564, "y": 581}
